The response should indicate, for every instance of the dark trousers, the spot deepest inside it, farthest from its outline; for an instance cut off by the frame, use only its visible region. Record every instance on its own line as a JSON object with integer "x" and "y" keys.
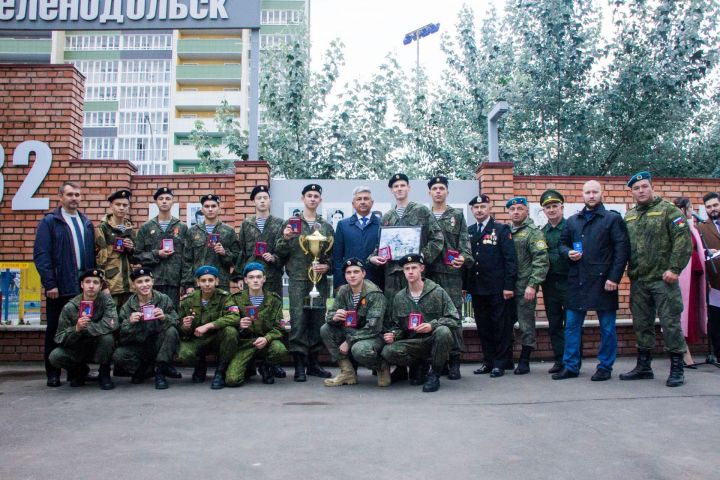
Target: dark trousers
{"x": 714, "y": 328}
{"x": 554, "y": 290}
{"x": 494, "y": 323}
{"x": 53, "y": 308}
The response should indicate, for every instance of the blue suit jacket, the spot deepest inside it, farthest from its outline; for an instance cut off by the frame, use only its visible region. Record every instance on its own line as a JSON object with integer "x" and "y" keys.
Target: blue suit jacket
{"x": 352, "y": 241}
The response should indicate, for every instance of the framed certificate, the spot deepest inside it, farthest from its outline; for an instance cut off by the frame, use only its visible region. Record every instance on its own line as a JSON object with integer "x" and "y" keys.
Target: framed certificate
{"x": 400, "y": 241}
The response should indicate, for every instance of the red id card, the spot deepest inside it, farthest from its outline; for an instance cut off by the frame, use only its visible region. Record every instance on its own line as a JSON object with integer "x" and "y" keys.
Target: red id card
{"x": 213, "y": 239}
{"x": 296, "y": 225}
{"x": 451, "y": 255}
{"x": 351, "y": 319}
{"x": 168, "y": 244}
{"x": 87, "y": 308}
{"x": 415, "y": 319}
{"x": 148, "y": 311}
{"x": 119, "y": 245}
{"x": 385, "y": 253}
{"x": 261, "y": 248}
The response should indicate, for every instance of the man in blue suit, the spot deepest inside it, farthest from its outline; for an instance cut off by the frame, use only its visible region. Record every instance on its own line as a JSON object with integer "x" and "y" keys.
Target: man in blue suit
{"x": 357, "y": 237}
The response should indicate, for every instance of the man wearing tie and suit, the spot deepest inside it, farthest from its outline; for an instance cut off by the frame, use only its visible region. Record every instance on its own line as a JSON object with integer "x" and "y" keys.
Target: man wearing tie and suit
{"x": 710, "y": 231}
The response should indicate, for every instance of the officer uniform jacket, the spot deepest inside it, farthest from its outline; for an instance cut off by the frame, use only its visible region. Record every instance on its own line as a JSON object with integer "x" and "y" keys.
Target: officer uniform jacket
{"x": 495, "y": 262}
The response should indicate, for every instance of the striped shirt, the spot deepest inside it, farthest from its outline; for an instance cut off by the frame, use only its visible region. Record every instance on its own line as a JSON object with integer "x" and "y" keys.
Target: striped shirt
{"x": 205, "y": 302}
{"x": 209, "y": 228}
{"x": 257, "y": 300}
{"x": 356, "y": 298}
{"x": 120, "y": 227}
{"x": 260, "y": 222}
{"x": 416, "y": 298}
{"x": 164, "y": 225}
{"x": 437, "y": 214}
{"x": 310, "y": 223}
{"x": 400, "y": 211}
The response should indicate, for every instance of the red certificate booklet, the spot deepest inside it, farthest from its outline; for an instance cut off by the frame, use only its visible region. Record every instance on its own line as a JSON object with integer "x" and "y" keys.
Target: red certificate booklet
{"x": 119, "y": 245}
{"x": 296, "y": 225}
{"x": 261, "y": 248}
{"x": 451, "y": 255}
{"x": 87, "y": 308}
{"x": 250, "y": 311}
{"x": 385, "y": 253}
{"x": 148, "y": 311}
{"x": 415, "y": 319}
{"x": 168, "y": 244}
{"x": 351, "y": 319}
{"x": 213, "y": 239}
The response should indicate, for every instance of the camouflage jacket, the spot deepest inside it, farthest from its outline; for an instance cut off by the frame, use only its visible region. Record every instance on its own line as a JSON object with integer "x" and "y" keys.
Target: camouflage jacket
{"x": 140, "y": 331}
{"x": 659, "y": 240}
{"x": 455, "y": 235}
{"x": 166, "y": 271}
{"x": 249, "y": 234}
{"x": 198, "y": 253}
{"x": 297, "y": 262}
{"x": 267, "y": 322}
{"x": 370, "y": 311}
{"x": 115, "y": 264}
{"x": 221, "y": 308}
{"x": 435, "y": 305}
{"x": 104, "y": 320}
{"x": 532, "y": 255}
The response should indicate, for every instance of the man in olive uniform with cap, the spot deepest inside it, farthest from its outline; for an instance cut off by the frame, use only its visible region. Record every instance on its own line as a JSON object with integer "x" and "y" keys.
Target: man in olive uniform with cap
{"x": 422, "y": 319}
{"x": 555, "y": 285}
{"x": 85, "y": 332}
{"x": 207, "y": 317}
{"x": 533, "y": 263}
{"x": 354, "y": 327}
{"x": 210, "y": 243}
{"x": 114, "y": 246}
{"x": 306, "y": 318}
{"x": 160, "y": 245}
{"x": 148, "y": 333}
{"x": 660, "y": 248}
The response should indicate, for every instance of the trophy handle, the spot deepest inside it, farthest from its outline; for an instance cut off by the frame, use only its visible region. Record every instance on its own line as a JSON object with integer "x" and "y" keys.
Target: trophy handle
{"x": 331, "y": 241}
{"x": 303, "y": 244}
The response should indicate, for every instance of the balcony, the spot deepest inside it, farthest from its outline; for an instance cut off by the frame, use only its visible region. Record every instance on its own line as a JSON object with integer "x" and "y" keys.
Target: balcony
{"x": 198, "y": 101}
{"x": 203, "y": 48}
{"x": 209, "y": 74}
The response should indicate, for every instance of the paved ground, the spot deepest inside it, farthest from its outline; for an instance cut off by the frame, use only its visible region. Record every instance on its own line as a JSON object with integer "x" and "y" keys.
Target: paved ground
{"x": 514, "y": 427}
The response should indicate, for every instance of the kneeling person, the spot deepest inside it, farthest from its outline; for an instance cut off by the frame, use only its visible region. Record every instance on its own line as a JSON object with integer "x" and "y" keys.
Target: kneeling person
{"x": 260, "y": 330}
{"x": 354, "y": 327}
{"x": 85, "y": 332}
{"x": 205, "y": 314}
{"x": 148, "y": 334}
{"x": 423, "y": 317}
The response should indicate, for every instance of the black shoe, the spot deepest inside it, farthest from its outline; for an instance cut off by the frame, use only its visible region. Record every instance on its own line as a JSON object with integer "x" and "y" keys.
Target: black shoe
{"x": 601, "y": 375}
{"x": 497, "y": 372}
{"x": 454, "y": 367}
{"x": 218, "y": 382}
{"x": 171, "y": 372}
{"x": 484, "y": 368}
{"x": 299, "y": 360}
{"x": 564, "y": 374}
{"x": 314, "y": 368}
{"x": 266, "y": 373}
{"x": 104, "y": 379}
{"x": 643, "y": 368}
{"x": 432, "y": 382}
{"x": 53, "y": 381}
{"x": 200, "y": 372}
{"x": 76, "y": 376}
{"x": 418, "y": 373}
{"x": 160, "y": 381}
{"x": 400, "y": 374}
{"x": 278, "y": 371}
{"x": 677, "y": 377}
{"x": 557, "y": 366}
{"x": 523, "y": 366}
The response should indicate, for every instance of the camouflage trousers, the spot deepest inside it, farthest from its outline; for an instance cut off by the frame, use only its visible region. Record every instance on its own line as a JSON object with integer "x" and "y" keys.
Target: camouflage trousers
{"x": 452, "y": 284}
{"x": 304, "y": 337}
{"x": 435, "y": 346}
{"x": 649, "y": 297}
{"x": 88, "y": 349}
{"x": 222, "y": 342}
{"x": 273, "y": 353}
{"x": 365, "y": 352}
{"x": 160, "y": 347}
{"x": 525, "y": 316}
{"x": 172, "y": 292}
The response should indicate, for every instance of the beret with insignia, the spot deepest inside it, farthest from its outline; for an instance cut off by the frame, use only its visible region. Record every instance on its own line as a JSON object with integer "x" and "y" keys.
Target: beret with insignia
{"x": 313, "y": 187}
{"x": 412, "y": 258}
{"x": 120, "y": 194}
{"x": 396, "y": 178}
{"x": 438, "y": 179}
{"x": 206, "y": 270}
{"x": 209, "y": 197}
{"x": 353, "y": 262}
{"x": 162, "y": 191}
{"x": 92, "y": 272}
{"x": 637, "y": 177}
{"x": 482, "y": 198}
{"x": 252, "y": 266}
{"x": 516, "y": 201}
{"x": 141, "y": 272}
{"x": 258, "y": 189}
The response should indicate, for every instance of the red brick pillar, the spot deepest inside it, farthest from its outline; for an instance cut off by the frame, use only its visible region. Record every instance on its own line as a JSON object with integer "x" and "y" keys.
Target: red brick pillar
{"x": 248, "y": 174}
{"x": 496, "y": 181}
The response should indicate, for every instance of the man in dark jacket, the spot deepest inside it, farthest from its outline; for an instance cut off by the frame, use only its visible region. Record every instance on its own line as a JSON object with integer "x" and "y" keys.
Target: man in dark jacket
{"x": 64, "y": 246}
{"x": 596, "y": 242}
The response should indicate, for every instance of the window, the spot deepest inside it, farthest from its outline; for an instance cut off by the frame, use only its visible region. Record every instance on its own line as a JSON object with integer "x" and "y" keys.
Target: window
{"x": 92, "y": 42}
{"x": 100, "y": 119}
{"x": 98, "y": 71}
{"x": 141, "y": 123}
{"x": 99, "y": 148}
{"x": 101, "y": 93}
{"x": 281, "y": 17}
{"x": 147, "y": 42}
{"x": 145, "y": 71}
{"x": 149, "y": 97}
{"x": 274, "y": 40}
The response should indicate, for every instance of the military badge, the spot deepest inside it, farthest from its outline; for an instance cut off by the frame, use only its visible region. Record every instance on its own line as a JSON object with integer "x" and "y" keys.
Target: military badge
{"x": 679, "y": 222}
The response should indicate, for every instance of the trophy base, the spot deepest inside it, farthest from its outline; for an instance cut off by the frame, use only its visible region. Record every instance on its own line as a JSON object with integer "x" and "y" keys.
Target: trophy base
{"x": 315, "y": 303}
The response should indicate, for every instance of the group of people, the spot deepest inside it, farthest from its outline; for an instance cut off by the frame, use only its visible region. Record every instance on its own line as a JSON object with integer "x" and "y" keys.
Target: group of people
{"x": 140, "y": 301}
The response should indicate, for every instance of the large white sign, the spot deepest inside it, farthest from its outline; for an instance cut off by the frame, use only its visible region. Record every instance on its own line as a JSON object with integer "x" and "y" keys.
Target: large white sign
{"x": 24, "y": 199}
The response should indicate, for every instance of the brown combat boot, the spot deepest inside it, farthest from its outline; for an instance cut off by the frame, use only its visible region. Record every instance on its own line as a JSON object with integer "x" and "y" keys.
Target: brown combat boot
{"x": 347, "y": 375}
{"x": 383, "y": 375}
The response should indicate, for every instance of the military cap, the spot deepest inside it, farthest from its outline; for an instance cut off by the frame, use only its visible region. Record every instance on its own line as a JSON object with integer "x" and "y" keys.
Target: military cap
{"x": 258, "y": 189}
{"x": 92, "y": 272}
{"x": 550, "y": 196}
{"x": 482, "y": 198}
{"x": 438, "y": 179}
{"x": 396, "y": 178}
{"x": 252, "y": 266}
{"x": 206, "y": 270}
{"x": 141, "y": 272}
{"x": 516, "y": 201}
{"x": 412, "y": 258}
{"x": 313, "y": 187}
{"x": 637, "y": 177}
{"x": 162, "y": 191}
{"x": 120, "y": 194}
{"x": 353, "y": 262}
{"x": 209, "y": 197}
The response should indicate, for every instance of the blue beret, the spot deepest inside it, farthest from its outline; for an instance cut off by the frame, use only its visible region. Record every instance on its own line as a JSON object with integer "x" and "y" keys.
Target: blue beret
{"x": 637, "y": 177}
{"x": 206, "y": 270}
{"x": 253, "y": 266}
{"x": 516, "y": 201}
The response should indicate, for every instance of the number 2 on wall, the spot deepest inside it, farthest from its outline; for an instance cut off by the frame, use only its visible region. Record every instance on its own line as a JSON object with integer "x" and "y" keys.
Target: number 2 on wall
{"x": 23, "y": 199}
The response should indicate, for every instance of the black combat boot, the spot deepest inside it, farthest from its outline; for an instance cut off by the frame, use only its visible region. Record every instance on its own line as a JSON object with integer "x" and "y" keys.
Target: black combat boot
{"x": 200, "y": 371}
{"x": 314, "y": 368}
{"x": 252, "y": 369}
{"x": 418, "y": 373}
{"x": 266, "y": 373}
{"x": 643, "y": 370}
{"x": 278, "y": 371}
{"x": 299, "y": 360}
{"x": 400, "y": 374}
{"x": 76, "y": 376}
{"x": 170, "y": 371}
{"x": 160, "y": 380}
{"x": 218, "y": 381}
{"x": 138, "y": 376}
{"x": 432, "y": 382}
{"x": 523, "y": 366}
{"x": 677, "y": 377}
{"x": 104, "y": 379}
{"x": 454, "y": 367}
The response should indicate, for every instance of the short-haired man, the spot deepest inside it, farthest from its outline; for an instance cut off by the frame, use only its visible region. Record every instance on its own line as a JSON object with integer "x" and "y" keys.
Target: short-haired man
{"x": 148, "y": 333}
{"x": 114, "y": 246}
{"x": 85, "y": 332}
{"x": 710, "y": 231}
{"x": 64, "y": 247}
{"x": 354, "y": 327}
{"x": 421, "y": 324}
{"x": 661, "y": 246}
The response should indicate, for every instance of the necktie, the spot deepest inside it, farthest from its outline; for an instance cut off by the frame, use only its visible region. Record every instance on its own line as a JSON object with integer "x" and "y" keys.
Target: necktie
{"x": 80, "y": 242}
{"x": 364, "y": 222}
{"x": 717, "y": 224}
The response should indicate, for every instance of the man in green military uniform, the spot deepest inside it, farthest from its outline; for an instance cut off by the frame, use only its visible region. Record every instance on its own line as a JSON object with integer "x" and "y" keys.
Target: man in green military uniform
{"x": 660, "y": 248}
{"x": 114, "y": 246}
{"x": 259, "y": 324}
{"x": 306, "y": 320}
{"x": 148, "y": 333}
{"x": 533, "y": 264}
{"x": 85, "y": 332}
{"x": 354, "y": 327}
{"x": 210, "y": 243}
{"x": 446, "y": 270}
{"x": 160, "y": 245}
{"x": 555, "y": 285}
{"x": 422, "y": 319}
{"x": 207, "y": 317}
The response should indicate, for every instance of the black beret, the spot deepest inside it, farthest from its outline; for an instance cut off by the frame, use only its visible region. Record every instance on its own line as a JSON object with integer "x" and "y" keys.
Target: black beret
{"x": 353, "y": 262}
{"x": 412, "y": 258}
{"x": 162, "y": 191}
{"x": 438, "y": 179}
{"x": 258, "y": 189}
{"x": 550, "y": 196}
{"x": 313, "y": 187}
{"x": 141, "y": 272}
{"x": 482, "y": 198}
{"x": 120, "y": 194}
{"x": 92, "y": 272}
{"x": 211, "y": 197}
{"x": 396, "y": 178}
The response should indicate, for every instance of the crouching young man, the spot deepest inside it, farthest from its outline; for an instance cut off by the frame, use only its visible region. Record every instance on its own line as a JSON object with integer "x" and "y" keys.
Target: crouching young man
{"x": 148, "y": 333}
{"x": 85, "y": 332}
{"x": 354, "y": 327}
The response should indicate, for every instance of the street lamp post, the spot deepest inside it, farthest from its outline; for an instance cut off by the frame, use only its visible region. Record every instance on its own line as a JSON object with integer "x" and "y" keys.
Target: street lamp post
{"x": 496, "y": 112}
{"x": 416, "y": 35}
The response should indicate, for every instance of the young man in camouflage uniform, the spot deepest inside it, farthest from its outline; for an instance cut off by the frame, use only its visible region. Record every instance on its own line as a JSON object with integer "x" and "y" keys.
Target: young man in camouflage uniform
{"x": 83, "y": 336}
{"x": 363, "y": 339}
{"x": 305, "y": 323}
{"x": 447, "y": 269}
{"x": 533, "y": 264}
{"x": 660, "y": 248}
{"x": 423, "y": 317}
{"x": 207, "y": 317}
{"x": 147, "y": 338}
{"x": 114, "y": 246}
{"x": 152, "y": 247}
{"x": 202, "y": 250}
{"x": 260, "y": 333}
